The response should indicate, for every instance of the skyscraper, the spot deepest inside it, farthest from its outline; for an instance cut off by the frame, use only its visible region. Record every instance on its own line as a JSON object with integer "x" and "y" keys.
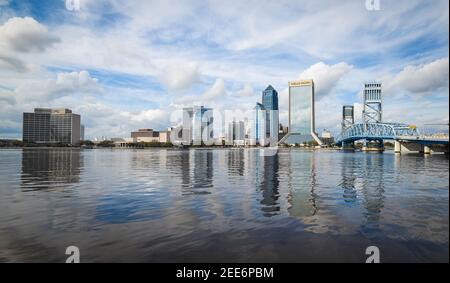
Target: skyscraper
{"x": 259, "y": 131}
{"x": 82, "y": 132}
{"x": 236, "y": 131}
{"x": 51, "y": 126}
{"x": 197, "y": 125}
{"x": 270, "y": 103}
{"x": 301, "y": 113}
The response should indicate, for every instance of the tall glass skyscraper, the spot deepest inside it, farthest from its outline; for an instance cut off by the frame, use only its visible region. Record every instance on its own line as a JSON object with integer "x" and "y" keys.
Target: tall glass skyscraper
{"x": 301, "y": 113}
{"x": 259, "y": 124}
{"x": 270, "y": 103}
{"x": 198, "y": 125}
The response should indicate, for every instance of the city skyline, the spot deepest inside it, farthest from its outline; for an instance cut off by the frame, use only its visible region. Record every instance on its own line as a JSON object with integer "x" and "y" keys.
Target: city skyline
{"x": 223, "y": 59}
{"x": 224, "y": 138}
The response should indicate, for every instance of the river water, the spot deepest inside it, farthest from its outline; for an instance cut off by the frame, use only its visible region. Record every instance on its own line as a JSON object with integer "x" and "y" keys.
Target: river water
{"x": 222, "y": 205}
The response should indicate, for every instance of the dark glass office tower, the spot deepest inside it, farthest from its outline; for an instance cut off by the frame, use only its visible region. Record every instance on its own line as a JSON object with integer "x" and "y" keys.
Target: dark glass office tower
{"x": 270, "y": 103}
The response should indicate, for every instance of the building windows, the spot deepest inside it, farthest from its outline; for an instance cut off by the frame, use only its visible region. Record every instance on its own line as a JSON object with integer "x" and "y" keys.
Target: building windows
{"x": 59, "y": 126}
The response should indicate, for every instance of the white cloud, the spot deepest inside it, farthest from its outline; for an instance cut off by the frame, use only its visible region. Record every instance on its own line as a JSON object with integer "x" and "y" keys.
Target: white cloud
{"x": 180, "y": 76}
{"x": 76, "y": 81}
{"x": 421, "y": 79}
{"x": 246, "y": 91}
{"x": 217, "y": 90}
{"x": 26, "y": 35}
{"x": 19, "y": 36}
{"x": 212, "y": 97}
{"x": 102, "y": 120}
{"x": 283, "y": 104}
{"x": 12, "y": 63}
{"x": 325, "y": 76}
{"x": 323, "y": 29}
{"x": 245, "y": 43}
{"x": 7, "y": 97}
{"x": 64, "y": 84}
{"x": 149, "y": 115}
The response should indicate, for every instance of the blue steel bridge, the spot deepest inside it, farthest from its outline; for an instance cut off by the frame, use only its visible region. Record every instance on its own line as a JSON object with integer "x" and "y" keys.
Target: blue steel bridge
{"x": 388, "y": 131}
{"x": 407, "y": 137}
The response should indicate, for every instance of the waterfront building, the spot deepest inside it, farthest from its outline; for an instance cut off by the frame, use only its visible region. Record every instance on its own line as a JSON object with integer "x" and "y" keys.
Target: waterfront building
{"x": 150, "y": 135}
{"x": 259, "y": 128}
{"x": 236, "y": 132}
{"x": 270, "y": 103}
{"x": 164, "y": 137}
{"x": 327, "y": 138}
{"x": 51, "y": 126}
{"x": 145, "y": 133}
{"x": 301, "y": 113}
{"x": 198, "y": 122}
{"x": 82, "y": 137}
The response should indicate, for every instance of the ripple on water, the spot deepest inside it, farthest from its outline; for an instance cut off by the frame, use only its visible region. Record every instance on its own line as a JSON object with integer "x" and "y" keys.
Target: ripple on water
{"x": 222, "y": 205}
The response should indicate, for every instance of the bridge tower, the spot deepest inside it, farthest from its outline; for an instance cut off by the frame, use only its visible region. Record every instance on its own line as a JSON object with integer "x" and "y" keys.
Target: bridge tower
{"x": 348, "y": 120}
{"x": 373, "y": 112}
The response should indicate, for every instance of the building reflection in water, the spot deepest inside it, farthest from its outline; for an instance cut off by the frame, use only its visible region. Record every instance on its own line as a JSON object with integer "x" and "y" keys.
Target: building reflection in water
{"x": 197, "y": 171}
{"x": 373, "y": 187}
{"x": 236, "y": 163}
{"x": 48, "y": 168}
{"x": 301, "y": 185}
{"x": 269, "y": 185}
{"x": 349, "y": 177}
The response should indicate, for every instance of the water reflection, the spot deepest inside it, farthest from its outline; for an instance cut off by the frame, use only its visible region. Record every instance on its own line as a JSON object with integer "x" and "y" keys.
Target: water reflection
{"x": 301, "y": 184}
{"x": 269, "y": 186}
{"x": 349, "y": 177}
{"x": 47, "y": 168}
{"x": 217, "y": 205}
{"x": 236, "y": 162}
{"x": 197, "y": 171}
{"x": 373, "y": 187}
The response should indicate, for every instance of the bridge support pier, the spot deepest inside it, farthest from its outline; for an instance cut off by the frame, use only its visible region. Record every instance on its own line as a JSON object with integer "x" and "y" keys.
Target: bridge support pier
{"x": 373, "y": 146}
{"x": 398, "y": 147}
{"x": 426, "y": 150}
{"x": 348, "y": 146}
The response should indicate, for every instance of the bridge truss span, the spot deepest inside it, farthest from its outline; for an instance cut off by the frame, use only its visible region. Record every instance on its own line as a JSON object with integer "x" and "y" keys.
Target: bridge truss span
{"x": 377, "y": 131}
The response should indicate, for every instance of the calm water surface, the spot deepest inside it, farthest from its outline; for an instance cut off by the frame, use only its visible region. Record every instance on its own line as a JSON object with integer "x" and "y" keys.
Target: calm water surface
{"x": 221, "y": 205}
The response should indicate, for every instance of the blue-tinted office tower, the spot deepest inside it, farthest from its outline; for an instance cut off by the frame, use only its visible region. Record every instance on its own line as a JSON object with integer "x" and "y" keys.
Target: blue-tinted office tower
{"x": 270, "y": 103}
{"x": 259, "y": 131}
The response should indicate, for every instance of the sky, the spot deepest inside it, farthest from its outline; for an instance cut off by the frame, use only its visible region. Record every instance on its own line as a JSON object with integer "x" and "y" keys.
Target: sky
{"x": 124, "y": 65}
